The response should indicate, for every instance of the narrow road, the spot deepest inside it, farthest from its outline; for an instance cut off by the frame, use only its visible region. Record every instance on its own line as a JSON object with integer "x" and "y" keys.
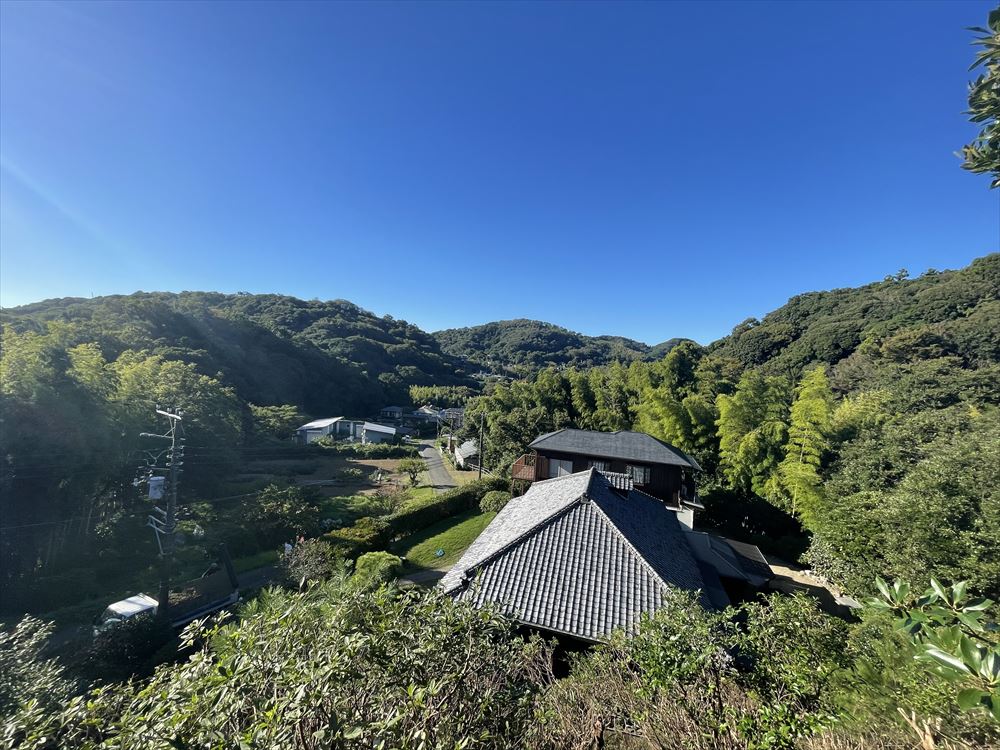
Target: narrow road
{"x": 440, "y": 478}
{"x": 421, "y": 578}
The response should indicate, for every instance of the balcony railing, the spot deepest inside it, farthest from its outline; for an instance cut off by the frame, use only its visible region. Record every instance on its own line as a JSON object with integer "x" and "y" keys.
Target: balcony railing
{"x": 530, "y": 467}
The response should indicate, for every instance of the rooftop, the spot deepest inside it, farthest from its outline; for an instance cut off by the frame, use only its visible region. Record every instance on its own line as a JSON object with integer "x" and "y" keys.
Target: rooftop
{"x": 625, "y": 445}
{"x": 320, "y": 423}
{"x": 468, "y": 448}
{"x": 574, "y": 555}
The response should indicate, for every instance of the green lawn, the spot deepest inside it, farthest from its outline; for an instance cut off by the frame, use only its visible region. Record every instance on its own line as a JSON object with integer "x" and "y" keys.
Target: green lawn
{"x": 259, "y": 560}
{"x": 453, "y": 535}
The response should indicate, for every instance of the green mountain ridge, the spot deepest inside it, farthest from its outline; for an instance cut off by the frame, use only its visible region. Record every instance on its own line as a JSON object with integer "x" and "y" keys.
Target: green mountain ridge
{"x": 326, "y": 357}
{"x": 522, "y": 345}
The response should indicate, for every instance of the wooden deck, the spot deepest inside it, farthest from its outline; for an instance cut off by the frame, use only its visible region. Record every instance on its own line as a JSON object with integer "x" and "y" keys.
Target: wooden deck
{"x": 530, "y": 467}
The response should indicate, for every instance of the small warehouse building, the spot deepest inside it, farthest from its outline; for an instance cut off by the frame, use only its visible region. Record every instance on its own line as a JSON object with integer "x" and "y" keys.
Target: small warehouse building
{"x": 467, "y": 453}
{"x": 318, "y": 428}
{"x": 378, "y": 433}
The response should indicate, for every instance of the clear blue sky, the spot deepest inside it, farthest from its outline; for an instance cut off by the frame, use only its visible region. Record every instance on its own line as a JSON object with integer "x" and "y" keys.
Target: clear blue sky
{"x": 651, "y": 170}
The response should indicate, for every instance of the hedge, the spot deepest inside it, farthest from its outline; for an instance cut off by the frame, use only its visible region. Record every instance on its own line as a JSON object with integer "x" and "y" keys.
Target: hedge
{"x": 369, "y": 534}
{"x": 412, "y": 519}
{"x": 371, "y": 450}
{"x": 366, "y": 535}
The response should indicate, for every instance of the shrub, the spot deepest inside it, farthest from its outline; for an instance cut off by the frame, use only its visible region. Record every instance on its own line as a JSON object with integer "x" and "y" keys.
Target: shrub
{"x": 335, "y": 667}
{"x": 25, "y": 676}
{"x": 412, "y": 468}
{"x": 676, "y": 683}
{"x": 372, "y": 450}
{"x": 367, "y": 534}
{"x": 310, "y": 560}
{"x": 376, "y": 568}
{"x": 129, "y": 648}
{"x": 282, "y": 513}
{"x": 494, "y": 501}
{"x": 445, "y": 505}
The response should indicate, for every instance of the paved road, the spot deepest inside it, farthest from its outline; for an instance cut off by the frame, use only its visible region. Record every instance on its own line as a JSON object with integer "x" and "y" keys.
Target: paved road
{"x": 421, "y": 578}
{"x": 440, "y": 478}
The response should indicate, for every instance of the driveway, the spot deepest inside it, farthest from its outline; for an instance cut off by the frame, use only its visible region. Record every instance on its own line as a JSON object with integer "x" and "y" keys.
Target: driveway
{"x": 440, "y": 478}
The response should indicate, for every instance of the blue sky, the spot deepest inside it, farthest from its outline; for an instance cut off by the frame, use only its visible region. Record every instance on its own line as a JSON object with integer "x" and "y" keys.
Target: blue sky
{"x": 649, "y": 170}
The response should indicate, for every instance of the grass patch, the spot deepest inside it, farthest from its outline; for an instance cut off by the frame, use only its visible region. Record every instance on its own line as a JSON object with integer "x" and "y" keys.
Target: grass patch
{"x": 418, "y": 496}
{"x": 251, "y": 562}
{"x": 453, "y": 535}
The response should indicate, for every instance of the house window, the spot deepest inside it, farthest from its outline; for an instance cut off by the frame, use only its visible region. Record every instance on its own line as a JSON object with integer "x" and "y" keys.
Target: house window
{"x": 559, "y": 468}
{"x": 640, "y": 474}
{"x": 601, "y": 465}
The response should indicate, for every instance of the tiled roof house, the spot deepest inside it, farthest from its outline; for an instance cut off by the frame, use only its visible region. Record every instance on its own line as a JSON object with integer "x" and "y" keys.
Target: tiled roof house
{"x": 581, "y": 555}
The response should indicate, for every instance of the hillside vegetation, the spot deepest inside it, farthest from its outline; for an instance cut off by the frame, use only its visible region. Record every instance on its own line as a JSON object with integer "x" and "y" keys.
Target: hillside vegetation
{"x": 524, "y": 346}
{"x": 325, "y": 357}
{"x": 858, "y": 426}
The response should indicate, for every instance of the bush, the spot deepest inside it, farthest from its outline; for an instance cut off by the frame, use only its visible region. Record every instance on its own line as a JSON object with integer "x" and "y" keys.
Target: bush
{"x": 369, "y": 534}
{"x": 366, "y": 535}
{"x": 279, "y": 514}
{"x": 376, "y": 568}
{"x": 677, "y": 683}
{"x": 129, "y": 648}
{"x": 445, "y": 505}
{"x": 494, "y": 501}
{"x": 310, "y": 560}
{"x": 371, "y": 450}
{"x": 335, "y": 667}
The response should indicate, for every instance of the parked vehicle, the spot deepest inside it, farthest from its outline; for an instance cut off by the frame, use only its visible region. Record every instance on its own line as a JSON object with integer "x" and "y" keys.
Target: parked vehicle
{"x": 216, "y": 589}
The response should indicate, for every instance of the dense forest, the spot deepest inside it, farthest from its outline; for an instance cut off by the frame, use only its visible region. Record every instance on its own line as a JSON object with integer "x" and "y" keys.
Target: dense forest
{"x": 521, "y": 347}
{"x": 860, "y": 422}
{"x": 325, "y": 357}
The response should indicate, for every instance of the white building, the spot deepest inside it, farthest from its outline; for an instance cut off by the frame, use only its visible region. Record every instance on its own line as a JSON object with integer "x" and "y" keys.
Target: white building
{"x": 318, "y": 428}
{"x": 466, "y": 452}
{"x": 377, "y": 433}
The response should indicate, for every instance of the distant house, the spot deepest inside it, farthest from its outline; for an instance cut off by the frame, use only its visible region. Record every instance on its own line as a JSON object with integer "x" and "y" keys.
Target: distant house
{"x": 426, "y": 413}
{"x": 318, "y": 428}
{"x": 465, "y": 453}
{"x": 377, "y": 433}
{"x": 656, "y": 467}
{"x": 391, "y": 412}
{"x": 576, "y": 556}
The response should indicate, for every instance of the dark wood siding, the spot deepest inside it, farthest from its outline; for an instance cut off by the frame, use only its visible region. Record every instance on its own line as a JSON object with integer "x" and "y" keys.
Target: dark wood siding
{"x": 664, "y": 481}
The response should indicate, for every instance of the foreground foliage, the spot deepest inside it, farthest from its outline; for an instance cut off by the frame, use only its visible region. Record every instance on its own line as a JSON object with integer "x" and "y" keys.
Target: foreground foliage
{"x": 352, "y": 663}
{"x": 333, "y": 667}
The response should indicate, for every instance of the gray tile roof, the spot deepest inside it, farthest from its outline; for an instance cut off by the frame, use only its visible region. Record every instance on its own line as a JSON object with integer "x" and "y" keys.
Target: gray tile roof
{"x": 634, "y": 446}
{"x": 729, "y": 558}
{"x": 468, "y": 449}
{"x": 574, "y": 556}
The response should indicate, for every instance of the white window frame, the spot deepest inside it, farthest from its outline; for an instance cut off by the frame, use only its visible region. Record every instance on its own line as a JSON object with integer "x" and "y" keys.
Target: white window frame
{"x": 641, "y": 475}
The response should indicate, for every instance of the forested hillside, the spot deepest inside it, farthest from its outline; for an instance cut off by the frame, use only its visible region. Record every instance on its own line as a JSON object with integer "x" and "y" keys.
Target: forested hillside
{"x": 524, "y": 346}
{"x": 325, "y": 357}
{"x": 857, "y": 427}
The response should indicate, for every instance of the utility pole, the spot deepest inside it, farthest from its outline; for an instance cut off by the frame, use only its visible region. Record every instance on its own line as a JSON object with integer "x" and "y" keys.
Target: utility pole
{"x": 164, "y": 524}
{"x": 482, "y": 447}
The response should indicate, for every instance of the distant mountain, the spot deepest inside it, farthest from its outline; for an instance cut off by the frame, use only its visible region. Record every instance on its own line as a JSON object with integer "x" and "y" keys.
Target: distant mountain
{"x": 327, "y": 357}
{"x": 524, "y": 345}
{"x": 938, "y": 314}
